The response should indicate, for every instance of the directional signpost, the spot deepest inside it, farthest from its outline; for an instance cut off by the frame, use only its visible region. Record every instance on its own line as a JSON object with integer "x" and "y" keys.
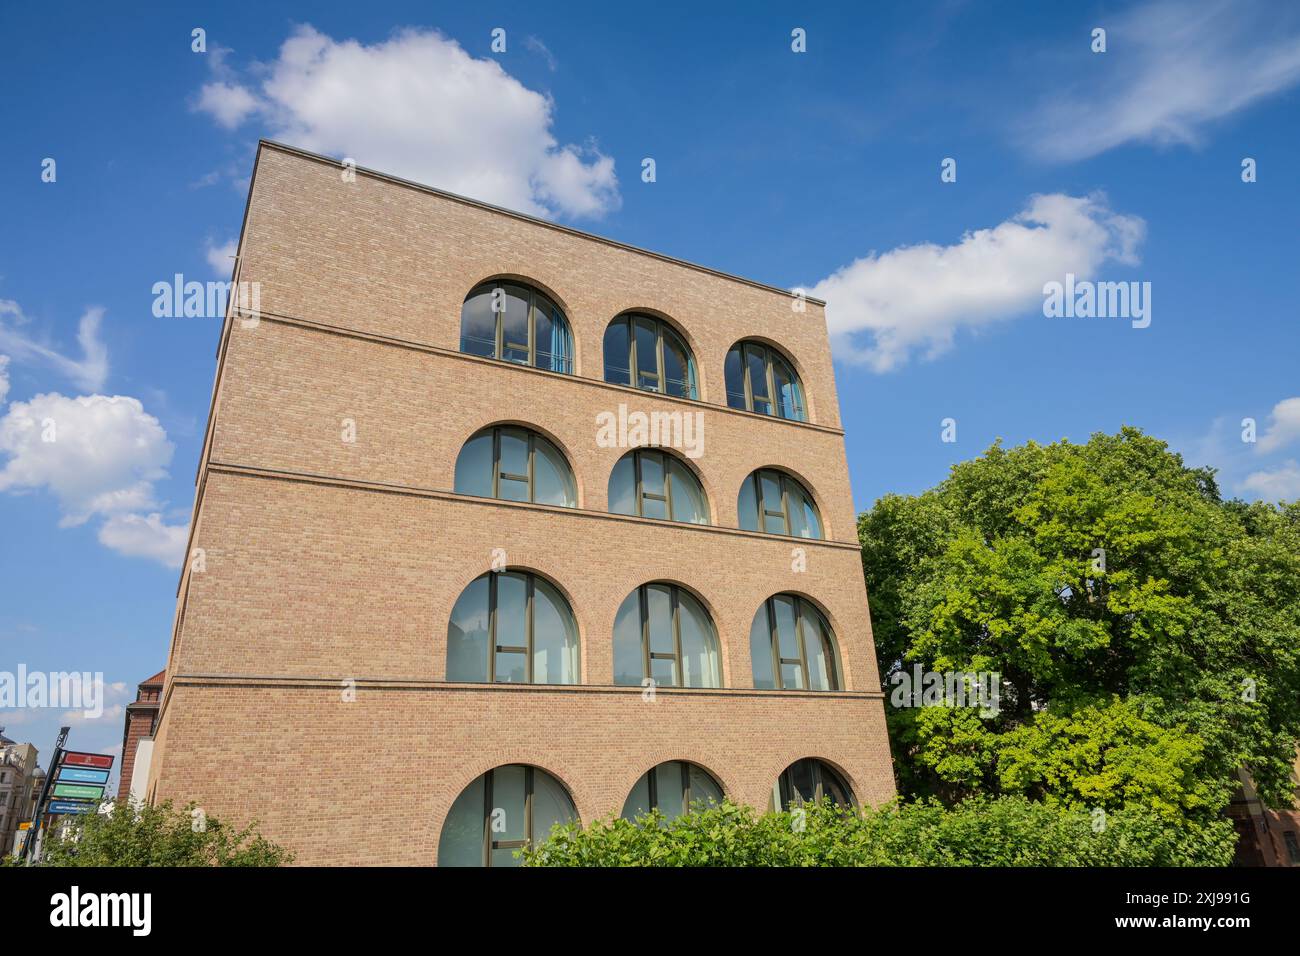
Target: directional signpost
{"x": 75, "y": 784}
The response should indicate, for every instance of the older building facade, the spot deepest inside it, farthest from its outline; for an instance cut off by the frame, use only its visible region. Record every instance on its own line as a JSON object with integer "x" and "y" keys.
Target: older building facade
{"x": 498, "y": 523}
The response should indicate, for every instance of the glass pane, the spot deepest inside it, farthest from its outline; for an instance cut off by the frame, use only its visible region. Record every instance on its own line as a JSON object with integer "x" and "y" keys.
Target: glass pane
{"x": 688, "y": 496}
{"x": 668, "y": 784}
{"x": 647, "y": 355}
{"x": 833, "y": 787}
{"x": 787, "y": 638}
{"x": 467, "y": 634}
{"x": 629, "y": 663}
{"x": 676, "y": 367}
{"x": 555, "y": 637}
{"x": 735, "y": 379}
{"x": 758, "y": 380}
{"x": 789, "y": 401}
{"x": 654, "y": 502}
{"x": 514, "y": 462}
{"x": 699, "y": 646}
{"x": 505, "y": 856}
{"x": 461, "y": 843}
{"x": 552, "y": 480}
{"x": 507, "y": 820}
{"x": 512, "y": 622}
{"x": 478, "y": 325}
{"x": 514, "y": 326}
{"x": 795, "y": 502}
{"x": 811, "y": 521}
{"x": 512, "y": 667}
{"x": 622, "y": 487}
{"x": 664, "y": 672}
{"x": 792, "y": 677}
{"x": 660, "y": 609}
{"x": 551, "y": 805}
{"x": 704, "y": 789}
{"x": 544, "y": 331}
{"x": 747, "y": 505}
{"x": 617, "y": 369}
{"x": 802, "y": 783}
{"x": 638, "y": 801}
{"x": 760, "y": 650}
{"x": 772, "y": 502}
{"x": 474, "y": 466}
{"x": 819, "y": 668}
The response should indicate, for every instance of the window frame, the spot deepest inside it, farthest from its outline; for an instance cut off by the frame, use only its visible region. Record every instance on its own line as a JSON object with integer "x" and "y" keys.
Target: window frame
{"x": 499, "y": 345}
{"x": 831, "y": 649}
{"x": 498, "y": 473}
{"x": 648, "y": 656}
{"x": 662, "y": 329}
{"x": 652, "y": 785}
{"x": 667, "y": 461}
{"x": 769, "y": 356}
{"x": 528, "y": 648}
{"x": 784, "y": 482}
{"x": 786, "y": 789}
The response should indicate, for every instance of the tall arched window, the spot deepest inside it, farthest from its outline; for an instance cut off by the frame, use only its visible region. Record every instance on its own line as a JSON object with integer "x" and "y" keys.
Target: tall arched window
{"x": 773, "y": 502}
{"x": 810, "y": 781}
{"x": 673, "y": 788}
{"x": 655, "y": 484}
{"x": 512, "y": 627}
{"x": 663, "y": 633}
{"x": 515, "y": 323}
{"x": 792, "y": 647}
{"x": 505, "y": 810}
{"x": 506, "y": 461}
{"x": 643, "y": 351}
{"x": 759, "y": 380}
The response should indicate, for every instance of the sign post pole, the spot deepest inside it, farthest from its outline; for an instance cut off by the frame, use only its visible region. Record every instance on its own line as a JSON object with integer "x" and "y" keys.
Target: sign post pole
{"x": 39, "y": 812}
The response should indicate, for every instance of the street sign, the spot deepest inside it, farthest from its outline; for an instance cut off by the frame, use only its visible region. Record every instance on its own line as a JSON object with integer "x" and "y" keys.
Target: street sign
{"x": 76, "y": 758}
{"x": 79, "y": 791}
{"x": 82, "y": 775}
{"x": 71, "y": 806}
{"x": 25, "y": 825}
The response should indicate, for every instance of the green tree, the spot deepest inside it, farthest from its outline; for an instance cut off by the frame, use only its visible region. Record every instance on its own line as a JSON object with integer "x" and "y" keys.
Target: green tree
{"x": 159, "y": 835}
{"x": 1147, "y": 631}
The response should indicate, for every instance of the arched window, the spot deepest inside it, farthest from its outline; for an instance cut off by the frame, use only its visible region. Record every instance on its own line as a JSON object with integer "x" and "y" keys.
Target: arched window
{"x": 644, "y": 351}
{"x": 504, "y": 810}
{"x": 663, "y": 633}
{"x": 673, "y": 788}
{"x": 760, "y": 380}
{"x": 506, "y": 461}
{"x": 792, "y": 647}
{"x": 655, "y": 484}
{"x": 810, "y": 781}
{"x": 512, "y": 627}
{"x": 773, "y": 502}
{"x": 515, "y": 323}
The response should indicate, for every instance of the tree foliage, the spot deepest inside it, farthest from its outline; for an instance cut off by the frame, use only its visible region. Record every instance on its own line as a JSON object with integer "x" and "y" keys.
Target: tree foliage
{"x": 1010, "y": 831}
{"x": 1147, "y": 631}
{"x": 159, "y": 835}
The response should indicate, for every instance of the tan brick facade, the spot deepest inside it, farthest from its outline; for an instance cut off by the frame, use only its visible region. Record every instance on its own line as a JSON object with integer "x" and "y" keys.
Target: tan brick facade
{"x": 325, "y": 561}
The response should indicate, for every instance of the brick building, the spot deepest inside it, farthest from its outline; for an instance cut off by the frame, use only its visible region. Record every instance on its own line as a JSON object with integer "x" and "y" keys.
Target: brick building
{"x": 137, "y": 737}
{"x": 437, "y": 600}
{"x": 20, "y": 780}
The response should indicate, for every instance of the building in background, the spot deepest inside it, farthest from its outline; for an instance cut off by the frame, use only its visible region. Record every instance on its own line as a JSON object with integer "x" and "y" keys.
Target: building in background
{"x": 1265, "y": 837}
{"x": 137, "y": 738}
{"x": 20, "y": 779}
{"x": 500, "y": 524}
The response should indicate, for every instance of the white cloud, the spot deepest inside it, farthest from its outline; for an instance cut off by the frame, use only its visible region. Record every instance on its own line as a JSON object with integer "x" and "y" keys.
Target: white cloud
{"x": 4, "y": 377}
{"x": 145, "y": 536}
{"x": 103, "y": 458}
{"x": 419, "y": 106}
{"x": 1283, "y": 428}
{"x": 1170, "y": 69}
{"x": 1279, "y": 484}
{"x": 222, "y": 258}
{"x": 89, "y": 372}
{"x": 918, "y": 297}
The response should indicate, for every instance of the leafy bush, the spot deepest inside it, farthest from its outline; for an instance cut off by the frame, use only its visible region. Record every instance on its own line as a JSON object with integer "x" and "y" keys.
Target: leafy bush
{"x": 1009, "y": 831}
{"x": 159, "y": 835}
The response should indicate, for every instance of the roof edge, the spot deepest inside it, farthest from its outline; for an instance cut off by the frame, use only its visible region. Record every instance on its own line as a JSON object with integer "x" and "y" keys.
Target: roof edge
{"x": 524, "y": 217}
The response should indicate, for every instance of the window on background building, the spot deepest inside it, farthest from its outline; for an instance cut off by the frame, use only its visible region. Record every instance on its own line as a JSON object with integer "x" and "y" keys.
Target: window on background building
{"x": 773, "y": 502}
{"x": 503, "y": 811}
{"x": 792, "y": 647}
{"x": 655, "y": 484}
{"x": 663, "y": 633}
{"x": 672, "y": 788}
{"x": 759, "y": 380}
{"x": 645, "y": 352}
{"x": 512, "y": 627}
{"x": 810, "y": 781}
{"x": 1292, "y": 847}
{"x": 516, "y": 323}
{"x": 514, "y": 463}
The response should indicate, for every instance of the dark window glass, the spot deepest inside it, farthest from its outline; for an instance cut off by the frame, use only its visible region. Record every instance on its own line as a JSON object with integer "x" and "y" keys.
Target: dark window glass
{"x": 792, "y": 647}
{"x": 518, "y": 324}
{"x": 777, "y": 504}
{"x": 643, "y": 351}
{"x": 500, "y": 813}
{"x": 662, "y": 632}
{"x": 654, "y": 484}
{"x": 513, "y": 463}
{"x": 673, "y": 788}
{"x": 759, "y": 380}
{"x": 512, "y": 627}
{"x": 808, "y": 781}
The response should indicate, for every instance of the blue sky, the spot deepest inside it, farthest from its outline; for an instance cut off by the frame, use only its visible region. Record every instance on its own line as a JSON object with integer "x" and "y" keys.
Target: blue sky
{"x": 818, "y": 169}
